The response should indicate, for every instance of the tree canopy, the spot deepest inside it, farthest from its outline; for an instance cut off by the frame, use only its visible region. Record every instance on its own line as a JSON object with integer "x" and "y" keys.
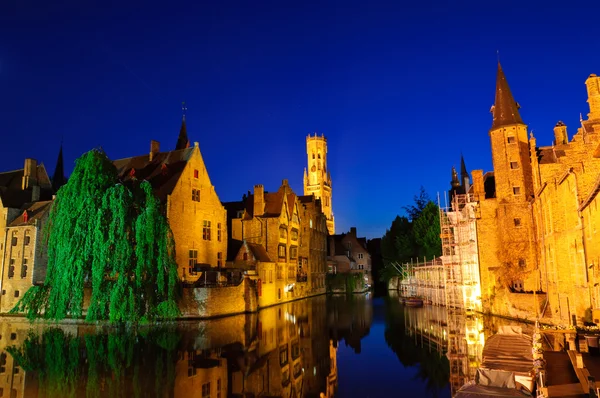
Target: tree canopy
{"x": 109, "y": 237}
{"x": 414, "y": 236}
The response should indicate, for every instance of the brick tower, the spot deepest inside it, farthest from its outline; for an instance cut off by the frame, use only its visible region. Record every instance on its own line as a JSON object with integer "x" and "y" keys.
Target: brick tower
{"x": 514, "y": 187}
{"x": 317, "y": 179}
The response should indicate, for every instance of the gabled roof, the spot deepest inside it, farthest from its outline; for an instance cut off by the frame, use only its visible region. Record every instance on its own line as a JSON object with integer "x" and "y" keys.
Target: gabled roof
{"x": 35, "y": 211}
{"x": 274, "y": 202}
{"x": 549, "y": 154}
{"x": 259, "y": 252}
{"x": 162, "y": 172}
{"x": 11, "y": 193}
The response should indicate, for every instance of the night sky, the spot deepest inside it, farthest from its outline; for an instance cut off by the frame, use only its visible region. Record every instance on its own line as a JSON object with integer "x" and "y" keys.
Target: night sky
{"x": 399, "y": 88}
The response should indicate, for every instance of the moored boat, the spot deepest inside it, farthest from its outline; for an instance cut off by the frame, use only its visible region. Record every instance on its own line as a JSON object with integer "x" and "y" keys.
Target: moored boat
{"x": 413, "y": 302}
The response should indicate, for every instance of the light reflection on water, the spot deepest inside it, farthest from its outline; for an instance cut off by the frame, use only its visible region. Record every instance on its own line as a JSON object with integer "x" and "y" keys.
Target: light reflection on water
{"x": 291, "y": 350}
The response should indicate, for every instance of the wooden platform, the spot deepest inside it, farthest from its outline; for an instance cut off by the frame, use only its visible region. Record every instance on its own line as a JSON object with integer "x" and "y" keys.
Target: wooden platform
{"x": 561, "y": 376}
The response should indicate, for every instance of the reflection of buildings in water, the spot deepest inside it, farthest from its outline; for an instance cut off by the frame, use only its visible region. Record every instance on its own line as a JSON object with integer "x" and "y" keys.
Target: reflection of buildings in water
{"x": 461, "y": 336}
{"x": 280, "y": 351}
{"x": 349, "y": 318}
{"x": 458, "y": 335}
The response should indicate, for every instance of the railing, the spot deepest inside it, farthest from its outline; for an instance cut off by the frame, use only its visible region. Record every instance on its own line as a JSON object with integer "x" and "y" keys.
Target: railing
{"x": 216, "y": 279}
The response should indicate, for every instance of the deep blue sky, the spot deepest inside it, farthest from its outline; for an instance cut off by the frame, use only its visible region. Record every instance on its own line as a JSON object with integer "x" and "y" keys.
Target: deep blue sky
{"x": 399, "y": 88}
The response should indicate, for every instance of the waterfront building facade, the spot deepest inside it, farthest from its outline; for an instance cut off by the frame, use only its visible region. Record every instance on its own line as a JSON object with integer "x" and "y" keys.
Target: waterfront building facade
{"x": 347, "y": 253}
{"x": 281, "y": 238}
{"x": 196, "y": 216}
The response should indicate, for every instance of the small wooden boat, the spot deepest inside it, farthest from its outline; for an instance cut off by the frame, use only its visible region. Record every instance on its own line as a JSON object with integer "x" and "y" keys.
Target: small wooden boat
{"x": 414, "y": 302}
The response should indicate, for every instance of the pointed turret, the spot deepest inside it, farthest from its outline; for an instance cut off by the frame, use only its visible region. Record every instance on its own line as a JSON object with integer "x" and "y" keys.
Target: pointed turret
{"x": 183, "y": 141}
{"x": 455, "y": 183}
{"x": 464, "y": 175}
{"x": 58, "y": 178}
{"x": 505, "y": 109}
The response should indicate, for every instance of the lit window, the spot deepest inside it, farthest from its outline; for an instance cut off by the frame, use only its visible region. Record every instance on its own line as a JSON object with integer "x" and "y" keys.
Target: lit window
{"x": 206, "y": 390}
{"x": 294, "y": 234}
{"x": 192, "y": 261}
{"x": 24, "y": 268}
{"x": 293, "y": 252}
{"x": 283, "y": 232}
{"x": 206, "y": 230}
{"x": 281, "y": 252}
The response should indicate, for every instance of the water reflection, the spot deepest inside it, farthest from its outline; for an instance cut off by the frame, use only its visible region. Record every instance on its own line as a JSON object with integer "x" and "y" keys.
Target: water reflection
{"x": 281, "y": 351}
{"x": 291, "y": 350}
{"x": 446, "y": 345}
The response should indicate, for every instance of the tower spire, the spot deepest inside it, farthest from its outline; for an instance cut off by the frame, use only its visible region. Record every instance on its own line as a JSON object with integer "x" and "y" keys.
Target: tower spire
{"x": 182, "y": 141}
{"x": 505, "y": 109}
{"x": 58, "y": 178}
{"x": 463, "y": 168}
{"x": 454, "y": 182}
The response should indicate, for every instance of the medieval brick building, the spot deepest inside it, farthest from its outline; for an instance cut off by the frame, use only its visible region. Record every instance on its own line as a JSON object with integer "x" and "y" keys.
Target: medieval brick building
{"x": 282, "y": 238}
{"x": 196, "y": 216}
{"x": 536, "y": 214}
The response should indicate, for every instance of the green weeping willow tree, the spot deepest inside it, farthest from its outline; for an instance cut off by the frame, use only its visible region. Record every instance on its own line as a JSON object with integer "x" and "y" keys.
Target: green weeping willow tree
{"x": 112, "y": 238}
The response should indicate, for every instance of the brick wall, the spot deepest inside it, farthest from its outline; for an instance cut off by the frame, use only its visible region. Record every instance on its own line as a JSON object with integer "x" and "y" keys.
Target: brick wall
{"x": 188, "y": 214}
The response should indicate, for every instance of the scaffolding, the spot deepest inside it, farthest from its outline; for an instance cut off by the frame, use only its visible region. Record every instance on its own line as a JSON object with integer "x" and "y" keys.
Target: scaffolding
{"x": 460, "y": 255}
{"x": 460, "y": 260}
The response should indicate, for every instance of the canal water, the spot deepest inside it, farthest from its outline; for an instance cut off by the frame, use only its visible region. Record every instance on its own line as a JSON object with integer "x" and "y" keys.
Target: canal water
{"x": 337, "y": 346}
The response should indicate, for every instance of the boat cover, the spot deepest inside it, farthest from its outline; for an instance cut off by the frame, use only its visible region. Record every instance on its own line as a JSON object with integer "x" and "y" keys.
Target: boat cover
{"x": 478, "y": 391}
{"x": 510, "y": 352}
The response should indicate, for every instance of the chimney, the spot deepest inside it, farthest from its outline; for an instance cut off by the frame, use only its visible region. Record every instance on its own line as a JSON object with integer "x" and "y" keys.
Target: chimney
{"x": 478, "y": 188}
{"x": 35, "y": 193}
{"x": 29, "y": 173}
{"x": 154, "y": 149}
{"x": 593, "y": 89}
{"x": 353, "y": 231}
{"x": 259, "y": 200}
{"x": 560, "y": 134}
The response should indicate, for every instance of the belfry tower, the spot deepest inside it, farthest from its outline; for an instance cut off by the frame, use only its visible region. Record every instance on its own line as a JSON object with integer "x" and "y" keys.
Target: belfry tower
{"x": 317, "y": 179}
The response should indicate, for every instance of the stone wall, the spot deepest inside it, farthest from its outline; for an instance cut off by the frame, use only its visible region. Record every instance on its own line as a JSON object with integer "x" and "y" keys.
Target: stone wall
{"x": 213, "y": 302}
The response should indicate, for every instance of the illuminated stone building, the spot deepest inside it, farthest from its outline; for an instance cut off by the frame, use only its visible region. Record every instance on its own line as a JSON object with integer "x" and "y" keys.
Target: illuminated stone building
{"x": 21, "y": 218}
{"x": 536, "y": 214}
{"x": 313, "y": 247}
{"x": 195, "y": 213}
{"x": 348, "y": 253}
{"x": 317, "y": 178}
{"x": 281, "y": 237}
{"x": 25, "y": 259}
